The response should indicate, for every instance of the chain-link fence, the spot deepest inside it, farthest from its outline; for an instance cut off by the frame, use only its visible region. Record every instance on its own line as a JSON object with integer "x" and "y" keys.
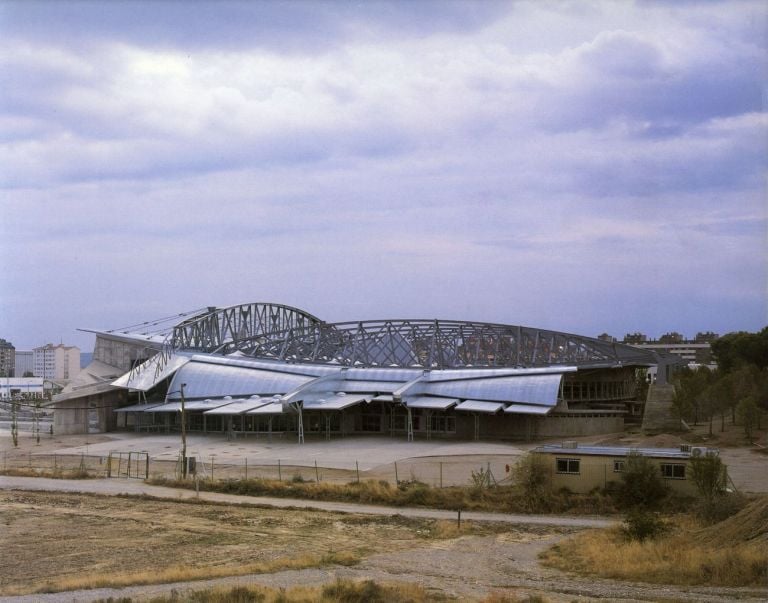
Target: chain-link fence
{"x": 436, "y": 473}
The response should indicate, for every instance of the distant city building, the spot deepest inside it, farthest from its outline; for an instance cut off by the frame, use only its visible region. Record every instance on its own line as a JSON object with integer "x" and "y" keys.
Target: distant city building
{"x": 7, "y": 358}
{"x": 58, "y": 362}
{"x": 28, "y": 388}
{"x": 696, "y": 351}
{"x": 25, "y": 363}
{"x": 606, "y": 337}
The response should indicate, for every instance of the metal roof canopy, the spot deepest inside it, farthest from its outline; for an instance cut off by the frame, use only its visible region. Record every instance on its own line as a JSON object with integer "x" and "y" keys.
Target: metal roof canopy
{"x": 527, "y": 409}
{"x": 240, "y": 406}
{"x": 480, "y": 406}
{"x": 332, "y": 401}
{"x": 138, "y": 407}
{"x": 430, "y": 402}
{"x": 191, "y": 405}
{"x": 273, "y": 408}
{"x": 148, "y": 374}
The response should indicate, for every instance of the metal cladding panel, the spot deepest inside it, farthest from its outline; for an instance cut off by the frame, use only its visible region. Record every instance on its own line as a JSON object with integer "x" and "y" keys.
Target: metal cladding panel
{"x": 205, "y": 404}
{"x": 148, "y": 375}
{"x": 206, "y": 380}
{"x": 238, "y": 407}
{"x": 527, "y": 389}
{"x": 332, "y": 401}
{"x": 355, "y": 386}
{"x": 480, "y": 406}
{"x": 137, "y": 407}
{"x": 430, "y": 402}
{"x": 524, "y": 409}
{"x": 273, "y": 408}
{"x": 169, "y": 407}
{"x": 379, "y": 374}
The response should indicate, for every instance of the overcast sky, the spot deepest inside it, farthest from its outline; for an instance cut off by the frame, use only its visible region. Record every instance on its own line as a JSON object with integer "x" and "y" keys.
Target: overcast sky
{"x": 580, "y": 166}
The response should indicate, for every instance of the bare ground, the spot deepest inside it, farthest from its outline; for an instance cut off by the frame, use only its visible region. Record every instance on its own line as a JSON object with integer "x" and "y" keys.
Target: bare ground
{"x": 47, "y": 536}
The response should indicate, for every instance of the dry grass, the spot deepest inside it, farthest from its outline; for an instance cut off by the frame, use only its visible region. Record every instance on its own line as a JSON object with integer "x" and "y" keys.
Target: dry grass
{"x": 347, "y": 591}
{"x": 58, "y": 473}
{"x": 407, "y": 494}
{"x": 341, "y": 590}
{"x": 187, "y": 574}
{"x": 688, "y": 555}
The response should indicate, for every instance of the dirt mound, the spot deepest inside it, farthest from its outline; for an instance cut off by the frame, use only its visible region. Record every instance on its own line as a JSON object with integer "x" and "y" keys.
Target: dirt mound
{"x": 748, "y": 525}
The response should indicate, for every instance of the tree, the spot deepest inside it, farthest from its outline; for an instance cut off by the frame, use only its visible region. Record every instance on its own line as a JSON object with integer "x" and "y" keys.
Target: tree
{"x": 641, "y": 482}
{"x": 749, "y": 415}
{"x": 737, "y": 349}
{"x": 709, "y": 475}
{"x": 533, "y": 476}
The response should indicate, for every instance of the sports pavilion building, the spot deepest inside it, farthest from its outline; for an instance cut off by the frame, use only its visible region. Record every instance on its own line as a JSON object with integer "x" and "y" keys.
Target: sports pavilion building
{"x": 269, "y": 368}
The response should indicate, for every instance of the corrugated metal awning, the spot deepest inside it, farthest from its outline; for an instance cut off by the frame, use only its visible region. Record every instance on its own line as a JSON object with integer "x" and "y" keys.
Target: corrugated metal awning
{"x": 480, "y": 406}
{"x": 138, "y": 407}
{"x": 240, "y": 406}
{"x": 332, "y": 401}
{"x": 430, "y": 402}
{"x": 527, "y": 409}
{"x": 273, "y": 408}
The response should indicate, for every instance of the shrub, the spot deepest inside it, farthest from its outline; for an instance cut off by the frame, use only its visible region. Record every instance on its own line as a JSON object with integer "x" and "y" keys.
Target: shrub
{"x": 640, "y": 524}
{"x": 641, "y": 483}
{"x": 533, "y": 477}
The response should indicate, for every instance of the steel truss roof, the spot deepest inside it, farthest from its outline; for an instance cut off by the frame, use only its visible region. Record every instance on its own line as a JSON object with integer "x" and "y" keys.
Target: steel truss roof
{"x": 439, "y": 344}
{"x": 284, "y": 333}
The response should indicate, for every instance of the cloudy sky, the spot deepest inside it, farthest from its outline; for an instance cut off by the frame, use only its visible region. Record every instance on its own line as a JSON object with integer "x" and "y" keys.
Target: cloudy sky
{"x": 583, "y": 166}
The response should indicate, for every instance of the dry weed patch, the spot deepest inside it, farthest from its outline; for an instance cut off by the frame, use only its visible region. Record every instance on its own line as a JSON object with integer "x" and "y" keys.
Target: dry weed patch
{"x": 732, "y": 553}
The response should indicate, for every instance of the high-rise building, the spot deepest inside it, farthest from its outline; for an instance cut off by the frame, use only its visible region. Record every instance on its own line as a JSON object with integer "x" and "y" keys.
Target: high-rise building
{"x": 25, "y": 363}
{"x": 60, "y": 362}
{"x": 7, "y": 358}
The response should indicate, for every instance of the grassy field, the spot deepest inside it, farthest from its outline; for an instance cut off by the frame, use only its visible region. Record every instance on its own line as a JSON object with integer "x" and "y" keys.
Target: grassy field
{"x": 53, "y": 541}
{"x": 733, "y": 552}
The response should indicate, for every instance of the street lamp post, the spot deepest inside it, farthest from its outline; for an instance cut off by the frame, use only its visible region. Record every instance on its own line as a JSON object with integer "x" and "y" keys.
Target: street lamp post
{"x": 183, "y": 436}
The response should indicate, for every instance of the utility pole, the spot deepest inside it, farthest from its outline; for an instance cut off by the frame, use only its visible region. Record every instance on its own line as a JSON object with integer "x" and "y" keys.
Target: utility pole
{"x": 183, "y": 436}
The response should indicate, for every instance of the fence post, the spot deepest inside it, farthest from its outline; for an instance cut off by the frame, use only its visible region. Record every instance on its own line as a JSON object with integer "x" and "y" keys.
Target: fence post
{"x": 397, "y": 481}
{"x": 279, "y": 471}
{"x": 246, "y": 468}
{"x": 357, "y": 468}
{"x": 213, "y": 455}
{"x": 146, "y": 471}
{"x": 441, "y": 474}
{"x": 317, "y": 475}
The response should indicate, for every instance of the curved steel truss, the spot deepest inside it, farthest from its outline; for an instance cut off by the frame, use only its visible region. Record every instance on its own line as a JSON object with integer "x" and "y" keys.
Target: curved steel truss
{"x": 436, "y": 344}
{"x": 226, "y": 330}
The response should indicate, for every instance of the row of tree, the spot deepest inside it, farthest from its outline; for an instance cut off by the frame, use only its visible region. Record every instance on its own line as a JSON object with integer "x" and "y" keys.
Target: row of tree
{"x": 737, "y": 389}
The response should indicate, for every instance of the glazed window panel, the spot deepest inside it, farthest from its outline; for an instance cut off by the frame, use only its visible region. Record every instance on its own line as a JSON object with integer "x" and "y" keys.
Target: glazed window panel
{"x": 673, "y": 471}
{"x": 570, "y": 466}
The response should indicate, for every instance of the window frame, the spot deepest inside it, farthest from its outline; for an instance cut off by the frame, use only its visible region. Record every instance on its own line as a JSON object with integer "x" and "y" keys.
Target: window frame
{"x": 668, "y": 470}
{"x": 569, "y": 462}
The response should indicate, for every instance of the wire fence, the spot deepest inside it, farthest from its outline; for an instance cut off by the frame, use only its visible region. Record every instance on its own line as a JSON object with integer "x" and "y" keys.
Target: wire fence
{"x": 436, "y": 473}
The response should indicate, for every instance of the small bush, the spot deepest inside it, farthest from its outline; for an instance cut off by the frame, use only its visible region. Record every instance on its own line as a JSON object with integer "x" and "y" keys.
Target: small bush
{"x": 640, "y": 525}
